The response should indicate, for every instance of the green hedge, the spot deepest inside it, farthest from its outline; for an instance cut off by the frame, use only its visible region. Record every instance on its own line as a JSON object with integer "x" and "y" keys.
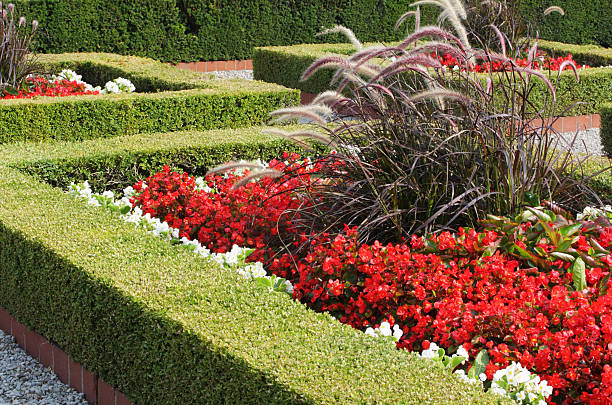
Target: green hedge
{"x": 191, "y": 30}
{"x": 164, "y": 326}
{"x": 606, "y": 128}
{"x": 592, "y": 55}
{"x": 203, "y": 104}
{"x": 284, "y": 65}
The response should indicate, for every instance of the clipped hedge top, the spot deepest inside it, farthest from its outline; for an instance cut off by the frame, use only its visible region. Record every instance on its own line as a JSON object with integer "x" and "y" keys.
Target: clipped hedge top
{"x": 28, "y": 152}
{"x": 314, "y": 357}
{"x": 145, "y": 69}
{"x": 594, "y": 55}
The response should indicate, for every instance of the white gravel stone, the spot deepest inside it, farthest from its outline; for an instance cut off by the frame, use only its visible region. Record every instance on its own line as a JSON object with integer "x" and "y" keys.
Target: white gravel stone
{"x": 587, "y": 141}
{"x": 24, "y": 380}
{"x": 234, "y": 74}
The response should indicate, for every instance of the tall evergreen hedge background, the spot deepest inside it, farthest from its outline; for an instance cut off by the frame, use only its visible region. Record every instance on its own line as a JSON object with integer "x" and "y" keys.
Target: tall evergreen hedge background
{"x": 193, "y": 30}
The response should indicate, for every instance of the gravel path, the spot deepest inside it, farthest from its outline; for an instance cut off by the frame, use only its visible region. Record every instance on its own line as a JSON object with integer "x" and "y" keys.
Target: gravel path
{"x": 23, "y": 380}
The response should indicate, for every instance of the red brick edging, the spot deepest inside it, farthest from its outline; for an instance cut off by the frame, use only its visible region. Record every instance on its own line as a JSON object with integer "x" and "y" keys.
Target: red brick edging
{"x": 68, "y": 371}
{"x": 216, "y": 65}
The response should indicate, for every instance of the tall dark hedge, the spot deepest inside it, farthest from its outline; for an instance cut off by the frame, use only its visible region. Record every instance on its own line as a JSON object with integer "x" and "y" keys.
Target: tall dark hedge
{"x": 192, "y": 30}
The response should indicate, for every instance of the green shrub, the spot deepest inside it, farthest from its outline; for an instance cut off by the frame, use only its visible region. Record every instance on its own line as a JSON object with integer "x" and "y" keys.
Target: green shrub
{"x": 165, "y": 327}
{"x": 192, "y": 103}
{"x": 191, "y": 30}
{"x": 606, "y": 128}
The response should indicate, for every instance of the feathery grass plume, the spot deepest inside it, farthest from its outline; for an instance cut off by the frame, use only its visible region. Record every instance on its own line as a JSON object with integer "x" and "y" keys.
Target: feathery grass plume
{"x": 440, "y": 47}
{"x": 440, "y": 93}
{"x": 311, "y": 112}
{"x": 416, "y": 60}
{"x": 349, "y": 34}
{"x": 429, "y": 31}
{"x": 329, "y": 96}
{"x": 417, "y": 19}
{"x": 454, "y": 11}
{"x": 270, "y": 173}
{"x": 234, "y": 165}
{"x": 572, "y": 65}
{"x": 532, "y": 52}
{"x": 500, "y": 38}
{"x": 295, "y": 137}
{"x": 342, "y": 64}
{"x": 554, "y": 9}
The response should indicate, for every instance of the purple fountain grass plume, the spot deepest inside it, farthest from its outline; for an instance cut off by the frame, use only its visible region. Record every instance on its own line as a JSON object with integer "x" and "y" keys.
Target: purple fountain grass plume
{"x": 411, "y": 60}
{"x": 311, "y": 112}
{"x": 375, "y": 52}
{"x": 34, "y": 25}
{"x": 349, "y": 34}
{"x": 405, "y": 68}
{"x": 489, "y": 86}
{"x": 417, "y": 19}
{"x": 368, "y": 70}
{"x": 295, "y": 137}
{"x": 342, "y": 64}
{"x": 532, "y": 52}
{"x": 500, "y": 37}
{"x": 454, "y": 11}
{"x": 429, "y": 31}
{"x": 270, "y": 173}
{"x": 539, "y": 74}
{"x": 439, "y": 47}
{"x": 234, "y": 165}
{"x": 329, "y": 96}
{"x": 554, "y": 9}
{"x": 22, "y": 21}
{"x": 325, "y": 61}
{"x": 571, "y": 64}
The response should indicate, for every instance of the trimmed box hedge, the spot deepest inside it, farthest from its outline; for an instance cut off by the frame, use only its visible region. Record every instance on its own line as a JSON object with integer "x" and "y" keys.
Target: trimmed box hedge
{"x": 592, "y": 55}
{"x": 606, "y": 128}
{"x": 164, "y": 326}
{"x": 169, "y": 99}
{"x": 284, "y": 65}
{"x": 193, "y": 30}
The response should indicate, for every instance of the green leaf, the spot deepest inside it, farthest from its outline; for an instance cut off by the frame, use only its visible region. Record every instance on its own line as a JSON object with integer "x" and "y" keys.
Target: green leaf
{"x": 541, "y": 214}
{"x": 125, "y": 209}
{"x": 569, "y": 230}
{"x": 603, "y": 285}
{"x": 563, "y": 256}
{"x": 578, "y": 274}
{"x": 455, "y": 361}
{"x": 563, "y": 246}
{"x": 480, "y": 364}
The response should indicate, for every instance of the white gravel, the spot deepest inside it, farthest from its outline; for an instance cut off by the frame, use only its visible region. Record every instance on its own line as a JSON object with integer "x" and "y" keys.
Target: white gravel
{"x": 234, "y": 74}
{"x": 24, "y": 380}
{"x": 587, "y": 141}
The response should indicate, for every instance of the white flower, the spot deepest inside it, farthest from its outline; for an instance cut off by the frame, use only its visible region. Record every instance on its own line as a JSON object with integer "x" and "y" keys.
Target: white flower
{"x": 397, "y": 332}
{"x": 385, "y": 329}
{"x": 462, "y": 352}
{"x": 482, "y": 377}
{"x": 111, "y": 87}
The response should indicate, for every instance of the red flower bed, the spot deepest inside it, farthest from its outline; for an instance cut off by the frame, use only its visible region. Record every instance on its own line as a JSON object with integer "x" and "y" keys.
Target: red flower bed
{"x": 541, "y": 62}
{"x": 514, "y": 289}
{"x": 39, "y": 86}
